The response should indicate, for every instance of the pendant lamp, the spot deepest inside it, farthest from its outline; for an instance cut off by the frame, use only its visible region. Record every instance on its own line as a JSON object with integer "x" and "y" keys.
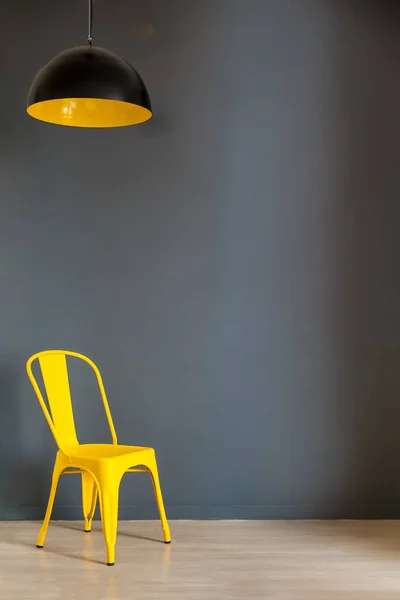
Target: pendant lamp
{"x": 88, "y": 86}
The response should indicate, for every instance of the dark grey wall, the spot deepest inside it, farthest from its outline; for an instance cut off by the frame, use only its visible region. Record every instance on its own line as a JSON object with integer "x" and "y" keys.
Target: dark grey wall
{"x": 232, "y": 266}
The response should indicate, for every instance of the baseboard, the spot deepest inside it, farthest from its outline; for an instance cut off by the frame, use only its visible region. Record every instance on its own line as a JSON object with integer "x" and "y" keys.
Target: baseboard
{"x": 203, "y": 512}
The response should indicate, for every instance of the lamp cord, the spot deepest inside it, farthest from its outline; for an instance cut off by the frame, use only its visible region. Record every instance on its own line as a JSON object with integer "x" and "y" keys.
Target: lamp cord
{"x": 90, "y": 22}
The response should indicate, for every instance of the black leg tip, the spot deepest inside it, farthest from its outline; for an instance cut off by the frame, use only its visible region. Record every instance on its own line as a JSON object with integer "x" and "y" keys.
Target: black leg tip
{"x": 110, "y": 564}
{"x": 37, "y": 546}
{"x": 87, "y": 530}
{"x": 167, "y": 542}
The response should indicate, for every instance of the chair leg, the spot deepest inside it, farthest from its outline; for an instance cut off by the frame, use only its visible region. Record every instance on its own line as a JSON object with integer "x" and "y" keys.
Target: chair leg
{"x": 89, "y": 499}
{"x": 109, "y": 492}
{"x": 153, "y": 470}
{"x": 43, "y": 530}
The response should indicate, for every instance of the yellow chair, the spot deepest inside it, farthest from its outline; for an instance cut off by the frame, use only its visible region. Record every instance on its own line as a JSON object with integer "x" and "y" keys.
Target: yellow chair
{"x": 101, "y": 466}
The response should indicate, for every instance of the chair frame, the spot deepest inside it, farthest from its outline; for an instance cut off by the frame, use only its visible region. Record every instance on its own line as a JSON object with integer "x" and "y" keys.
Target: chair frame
{"x": 100, "y": 476}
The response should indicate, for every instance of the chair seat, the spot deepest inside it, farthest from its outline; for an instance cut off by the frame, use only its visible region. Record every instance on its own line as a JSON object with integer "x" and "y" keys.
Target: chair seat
{"x": 102, "y": 451}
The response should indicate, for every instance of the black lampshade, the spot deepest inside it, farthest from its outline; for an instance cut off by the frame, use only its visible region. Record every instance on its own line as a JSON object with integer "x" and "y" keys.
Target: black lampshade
{"x": 88, "y": 86}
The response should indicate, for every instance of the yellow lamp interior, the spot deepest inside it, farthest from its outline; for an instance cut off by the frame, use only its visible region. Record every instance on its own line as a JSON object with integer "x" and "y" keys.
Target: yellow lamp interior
{"x": 89, "y": 112}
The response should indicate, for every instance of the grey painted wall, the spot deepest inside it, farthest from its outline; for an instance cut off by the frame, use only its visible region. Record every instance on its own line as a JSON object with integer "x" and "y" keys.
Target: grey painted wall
{"x": 232, "y": 266}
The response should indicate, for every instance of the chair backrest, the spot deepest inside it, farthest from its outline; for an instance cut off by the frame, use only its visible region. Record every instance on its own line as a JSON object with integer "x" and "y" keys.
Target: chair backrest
{"x": 53, "y": 365}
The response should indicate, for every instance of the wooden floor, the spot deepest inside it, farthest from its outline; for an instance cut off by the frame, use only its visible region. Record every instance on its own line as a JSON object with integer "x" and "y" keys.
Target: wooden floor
{"x": 313, "y": 560}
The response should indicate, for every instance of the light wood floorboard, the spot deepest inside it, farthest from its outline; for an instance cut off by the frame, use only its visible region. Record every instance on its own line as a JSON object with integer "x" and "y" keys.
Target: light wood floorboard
{"x": 218, "y": 560}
